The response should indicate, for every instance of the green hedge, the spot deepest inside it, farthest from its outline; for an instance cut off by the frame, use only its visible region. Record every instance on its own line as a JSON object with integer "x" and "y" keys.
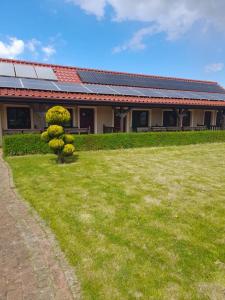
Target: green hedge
{"x": 22, "y": 144}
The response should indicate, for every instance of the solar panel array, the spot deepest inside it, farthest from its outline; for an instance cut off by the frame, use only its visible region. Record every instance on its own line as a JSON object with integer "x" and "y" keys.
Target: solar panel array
{"x": 26, "y": 71}
{"x": 47, "y": 85}
{"x": 147, "y": 82}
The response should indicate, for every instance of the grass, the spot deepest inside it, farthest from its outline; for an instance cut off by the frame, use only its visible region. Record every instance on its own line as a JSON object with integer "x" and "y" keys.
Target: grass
{"x": 142, "y": 223}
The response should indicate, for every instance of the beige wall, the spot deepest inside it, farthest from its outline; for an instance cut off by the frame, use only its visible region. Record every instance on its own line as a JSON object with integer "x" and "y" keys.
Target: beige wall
{"x": 156, "y": 117}
{"x": 197, "y": 117}
{"x": 104, "y": 117}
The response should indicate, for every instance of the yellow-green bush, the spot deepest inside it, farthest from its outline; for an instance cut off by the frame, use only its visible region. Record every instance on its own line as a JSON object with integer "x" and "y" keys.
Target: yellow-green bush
{"x": 68, "y": 138}
{"x": 45, "y": 137}
{"x": 59, "y": 142}
{"x": 55, "y": 131}
{"x": 57, "y": 115}
{"x": 68, "y": 150}
{"x": 56, "y": 144}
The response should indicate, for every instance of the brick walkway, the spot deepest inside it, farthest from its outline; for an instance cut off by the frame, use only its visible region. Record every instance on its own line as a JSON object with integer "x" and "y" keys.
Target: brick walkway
{"x": 31, "y": 264}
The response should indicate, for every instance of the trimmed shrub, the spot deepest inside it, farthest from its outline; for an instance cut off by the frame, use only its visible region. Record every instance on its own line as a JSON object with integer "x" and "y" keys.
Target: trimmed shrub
{"x": 57, "y": 115}
{"x": 45, "y": 137}
{"x": 22, "y": 144}
{"x": 68, "y": 138}
{"x": 56, "y": 145}
{"x": 68, "y": 150}
{"x": 55, "y": 131}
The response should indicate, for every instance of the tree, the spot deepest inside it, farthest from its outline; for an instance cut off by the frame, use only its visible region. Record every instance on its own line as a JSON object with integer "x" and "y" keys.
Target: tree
{"x": 59, "y": 142}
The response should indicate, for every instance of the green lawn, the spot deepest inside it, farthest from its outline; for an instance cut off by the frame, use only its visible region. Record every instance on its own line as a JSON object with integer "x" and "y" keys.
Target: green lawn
{"x": 136, "y": 224}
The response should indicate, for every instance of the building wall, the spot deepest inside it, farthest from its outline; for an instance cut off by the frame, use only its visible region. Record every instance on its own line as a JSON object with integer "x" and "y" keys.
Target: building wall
{"x": 104, "y": 116}
{"x": 156, "y": 116}
{"x": 197, "y": 117}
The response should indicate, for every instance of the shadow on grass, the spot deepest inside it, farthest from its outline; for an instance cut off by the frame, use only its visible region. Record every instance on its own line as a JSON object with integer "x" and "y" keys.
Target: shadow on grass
{"x": 68, "y": 160}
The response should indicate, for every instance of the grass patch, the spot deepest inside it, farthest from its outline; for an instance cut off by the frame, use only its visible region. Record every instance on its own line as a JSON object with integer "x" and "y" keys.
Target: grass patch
{"x": 137, "y": 224}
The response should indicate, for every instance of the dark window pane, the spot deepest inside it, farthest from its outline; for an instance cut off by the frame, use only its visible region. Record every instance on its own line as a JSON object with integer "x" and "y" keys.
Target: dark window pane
{"x": 219, "y": 118}
{"x": 139, "y": 118}
{"x": 187, "y": 119}
{"x": 169, "y": 118}
{"x": 18, "y": 118}
{"x": 207, "y": 119}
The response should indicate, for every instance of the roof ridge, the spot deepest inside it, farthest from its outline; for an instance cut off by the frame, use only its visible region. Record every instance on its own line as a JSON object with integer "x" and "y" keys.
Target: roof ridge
{"x": 105, "y": 71}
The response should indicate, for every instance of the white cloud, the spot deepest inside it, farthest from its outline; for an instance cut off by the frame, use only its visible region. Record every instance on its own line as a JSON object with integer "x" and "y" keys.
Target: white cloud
{"x": 173, "y": 17}
{"x": 12, "y": 48}
{"x": 96, "y": 8}
{"x": 15, "y": 48}
{"x": 32, "y": 45}
{"x": 48, "y": 51}
{"x": 213, "y": 68}
{"x": 136, "y": 42}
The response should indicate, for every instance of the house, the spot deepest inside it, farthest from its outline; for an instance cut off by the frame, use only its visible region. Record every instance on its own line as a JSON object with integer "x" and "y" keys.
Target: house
{"x": 104, "y": 101}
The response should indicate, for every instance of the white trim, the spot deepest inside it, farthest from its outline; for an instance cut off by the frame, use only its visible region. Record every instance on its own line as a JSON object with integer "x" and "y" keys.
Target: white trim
{"x": 113, "y": 116}
{"x": 95, "y": 116}
{"x": 5, "y": 106}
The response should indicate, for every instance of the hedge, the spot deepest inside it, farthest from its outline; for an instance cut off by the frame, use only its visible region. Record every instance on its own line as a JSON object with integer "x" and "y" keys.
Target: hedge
{"x": 22, "y": 144}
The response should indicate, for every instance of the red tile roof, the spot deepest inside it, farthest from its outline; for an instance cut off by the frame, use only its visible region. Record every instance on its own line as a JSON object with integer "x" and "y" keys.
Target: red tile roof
{"x": 31, "y": 94}
{"x": 68, "y": 74}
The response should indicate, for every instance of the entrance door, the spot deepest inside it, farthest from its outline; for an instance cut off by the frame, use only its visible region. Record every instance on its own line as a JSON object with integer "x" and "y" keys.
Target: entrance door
{"x": 207, "y": 119}
{"x": 87, "y": 119}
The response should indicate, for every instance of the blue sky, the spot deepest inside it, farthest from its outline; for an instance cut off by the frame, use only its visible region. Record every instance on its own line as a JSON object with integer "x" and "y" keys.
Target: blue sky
{"x": 179, "y": 38}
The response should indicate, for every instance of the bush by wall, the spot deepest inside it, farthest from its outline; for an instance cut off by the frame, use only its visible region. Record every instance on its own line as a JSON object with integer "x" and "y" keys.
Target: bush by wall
{"x": 22, "y": 144}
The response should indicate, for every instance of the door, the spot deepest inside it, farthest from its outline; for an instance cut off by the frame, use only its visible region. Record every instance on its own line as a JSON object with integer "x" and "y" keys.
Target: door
{"x": 87, "y": 119}
{"x": 207, "y": 119}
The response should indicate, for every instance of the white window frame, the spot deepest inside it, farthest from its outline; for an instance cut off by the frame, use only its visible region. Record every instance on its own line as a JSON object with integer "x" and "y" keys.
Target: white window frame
{"x": 15, "y": 106}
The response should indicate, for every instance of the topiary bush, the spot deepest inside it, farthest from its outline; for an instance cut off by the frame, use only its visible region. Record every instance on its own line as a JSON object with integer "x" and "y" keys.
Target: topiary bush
{"x": 59, "y": 142}
{"x": 68, "y": 138}
{"x": 57, "y": 115}
{"x": 68, "y": 150}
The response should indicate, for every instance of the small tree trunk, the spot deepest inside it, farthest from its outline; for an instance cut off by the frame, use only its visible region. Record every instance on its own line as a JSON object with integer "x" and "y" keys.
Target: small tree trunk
{"x": 60, "y": 158}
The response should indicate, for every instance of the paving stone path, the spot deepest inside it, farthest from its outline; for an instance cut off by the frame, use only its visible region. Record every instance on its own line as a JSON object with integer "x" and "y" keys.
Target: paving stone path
{"x": 31, "y": 264}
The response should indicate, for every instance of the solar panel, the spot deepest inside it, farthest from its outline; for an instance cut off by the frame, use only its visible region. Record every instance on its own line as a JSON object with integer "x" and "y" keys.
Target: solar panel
{"x": 101, "y": 89}
{"x": 35, "y": 84}
{"x": 7, "y": 69}
{"x": 73, "y": 87}
{"x": 45, "y": 73}
{"x": 152, "y": 92}
{"x": 126, "y": 91}
{"x": 148, "y": 82}
{"x": 26, "y": 71}
{"x": 10, "y": 82}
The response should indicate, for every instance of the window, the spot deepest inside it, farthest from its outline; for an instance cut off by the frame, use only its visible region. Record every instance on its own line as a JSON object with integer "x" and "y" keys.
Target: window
{"x": 70, "y": 123}
{"x": 219, "y": 119}
{"x": 139, "y": 119}
{"x": 18, "y": 118}
{"x": 187, "y": 119}
{"x": 169, "y": 118}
